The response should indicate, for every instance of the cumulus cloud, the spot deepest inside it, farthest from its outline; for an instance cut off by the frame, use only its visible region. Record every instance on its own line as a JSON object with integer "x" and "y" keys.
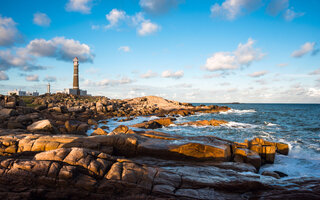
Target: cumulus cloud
{"x": 114, "y": 17}
{"x": 3, "y": 76}
{"x": 170, "y": 74}
{"x": 231, "y": 9}
{"x": 277, "y": 6}
{"x": 244, "y": 55}
{"x": 158, "y": 6}
{"x": 50, "y": 79}
{"x": 117, "y": 17}
{"x": 304, "y": 49}
{"x": 258, "y": 74}
{"x": 313, "y": 92}
{"x": 124, "y": 48}
{"x": 19, "y": 60}
{"x": 34, "y": 78}
{"x": 41, "y": 19}
{"x": 290, "y": 15}
{"x": 82, "y": 6}
{"x": 9, "y": 34}
{"x": 149, "y": 74}
{"x": 147, "y": 28}
{"x": 60, "y": 48}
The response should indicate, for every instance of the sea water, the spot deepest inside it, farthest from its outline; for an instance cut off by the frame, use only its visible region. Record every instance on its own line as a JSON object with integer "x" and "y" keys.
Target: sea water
{"x": 295, "y": 124}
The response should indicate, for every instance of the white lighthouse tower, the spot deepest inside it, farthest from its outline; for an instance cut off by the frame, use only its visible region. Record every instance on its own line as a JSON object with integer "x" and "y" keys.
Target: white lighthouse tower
{"x": 48, "y": 88}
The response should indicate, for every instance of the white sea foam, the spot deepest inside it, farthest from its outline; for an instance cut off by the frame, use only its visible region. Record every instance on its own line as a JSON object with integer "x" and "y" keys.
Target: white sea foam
{"x": 270, "y": 124}
{"x": 239, "y": 125}
{"x": 239, "y": 112}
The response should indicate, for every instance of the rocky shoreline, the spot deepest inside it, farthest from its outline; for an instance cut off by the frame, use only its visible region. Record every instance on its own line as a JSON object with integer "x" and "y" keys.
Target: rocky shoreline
{"x": 46, "y": 153}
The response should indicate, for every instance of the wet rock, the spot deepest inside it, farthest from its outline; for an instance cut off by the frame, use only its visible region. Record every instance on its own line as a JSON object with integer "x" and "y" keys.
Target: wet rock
{"x": 281, "y": 174}
{"x": 211, "y": 122}
{"x": 99, "y": 131}
{"x": 122, "y": 129}
{"x": 247, "y": 156}
{"x": 272, "y": 174}
{"x": 154, "y": 124}
{"x": 281, "y": 148}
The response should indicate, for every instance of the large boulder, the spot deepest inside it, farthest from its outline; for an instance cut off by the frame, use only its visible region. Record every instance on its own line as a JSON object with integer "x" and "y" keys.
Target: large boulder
{"x": 6, "y": 112}
{"x": 280, "y": 147}
{"x": 42, "y": 125}
{"x": 247, "y": 156}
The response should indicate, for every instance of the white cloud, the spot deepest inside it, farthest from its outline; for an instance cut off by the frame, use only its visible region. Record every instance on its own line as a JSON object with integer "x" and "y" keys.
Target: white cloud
{"x": 277, "y": 6}
{"x": 3, "y": 76}
{"x": 258, "y": 74}
{"x": 304, "y": 49}
{"x": 315, "y": 72}
{"x": 147, "y": 28}
{"x": 108, "y": 82}
{"x": 124, "y": 48}
{"x": 19, "y": 60}
{"x": 41, "y": 19}
{"x": 290, "y": 15}
{"x": 117, "y": 17}
{"x": 8, "y": 31}
{"x": 50, "y": 79}
{"x": 114, "y": 17}
{"x": 82, "y": 6}
{"x": 158, "y": 6}
{"x": 231, "y": 9}
{"x": 313, "y": 92}
{"x": 60, "y": 48}
{"x": 170, "y": 74}
{"x": 149, "y": 74}
{"x": 244, "y": 55}
{"x": 221, "y": 61}
{"x": 34, "y": 78}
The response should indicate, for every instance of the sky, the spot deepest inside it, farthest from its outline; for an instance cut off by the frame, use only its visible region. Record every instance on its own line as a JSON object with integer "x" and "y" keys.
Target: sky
{"x": 208, "y": 51}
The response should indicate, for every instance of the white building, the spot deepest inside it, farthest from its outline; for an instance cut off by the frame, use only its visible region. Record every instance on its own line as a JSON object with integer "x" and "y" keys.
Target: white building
{"x": 74, "y": 91}
{"x": 22, "y": 93}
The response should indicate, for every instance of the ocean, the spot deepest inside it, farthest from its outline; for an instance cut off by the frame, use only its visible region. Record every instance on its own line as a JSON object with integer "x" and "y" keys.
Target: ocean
{"x": 295, "y": 124}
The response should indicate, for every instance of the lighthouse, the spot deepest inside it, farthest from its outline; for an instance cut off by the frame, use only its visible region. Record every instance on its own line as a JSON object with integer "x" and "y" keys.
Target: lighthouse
{"x": 75, "y": 90}
{"x": 76, "y": 75}
{"x": 48, "y": 88}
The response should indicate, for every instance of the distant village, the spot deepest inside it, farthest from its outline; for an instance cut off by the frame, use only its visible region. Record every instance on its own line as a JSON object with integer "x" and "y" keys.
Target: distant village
{"x": 75, "y": 90}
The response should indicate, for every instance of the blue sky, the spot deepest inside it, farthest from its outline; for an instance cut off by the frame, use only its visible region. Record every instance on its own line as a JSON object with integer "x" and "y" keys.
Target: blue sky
{"x": 186, "y": 50}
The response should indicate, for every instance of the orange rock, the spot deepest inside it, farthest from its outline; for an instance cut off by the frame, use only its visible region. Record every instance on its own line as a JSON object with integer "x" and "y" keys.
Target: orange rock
{"x": 247, "y": 156}
{"x": 212, "y": 122}
{"x": 99, "y": 131}
{"x": 281, "y": 148}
